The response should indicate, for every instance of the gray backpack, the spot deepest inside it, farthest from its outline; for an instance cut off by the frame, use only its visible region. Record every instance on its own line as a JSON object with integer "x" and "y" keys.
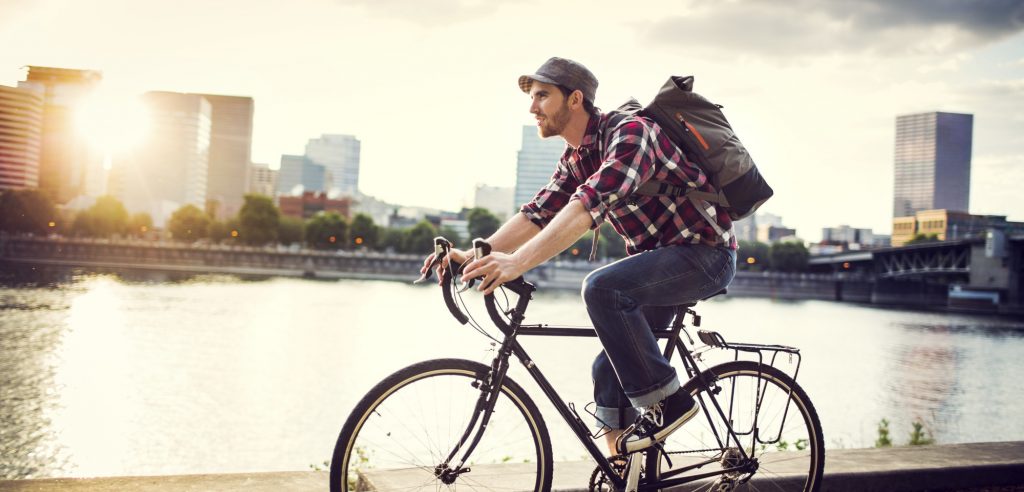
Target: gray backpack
{"x": 700, "y": 129}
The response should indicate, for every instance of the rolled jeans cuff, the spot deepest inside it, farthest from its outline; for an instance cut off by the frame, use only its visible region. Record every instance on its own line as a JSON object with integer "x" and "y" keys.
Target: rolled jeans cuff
{"x": 651, "y": 397}
{"x": 610, "y": 417}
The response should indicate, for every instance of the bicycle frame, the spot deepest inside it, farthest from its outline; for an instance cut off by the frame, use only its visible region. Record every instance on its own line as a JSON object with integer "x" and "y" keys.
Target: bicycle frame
{"x": 511, "y": 346}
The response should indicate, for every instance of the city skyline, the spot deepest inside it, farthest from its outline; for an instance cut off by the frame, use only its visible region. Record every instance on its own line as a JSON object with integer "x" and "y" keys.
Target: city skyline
{"x": 818, "y": 116}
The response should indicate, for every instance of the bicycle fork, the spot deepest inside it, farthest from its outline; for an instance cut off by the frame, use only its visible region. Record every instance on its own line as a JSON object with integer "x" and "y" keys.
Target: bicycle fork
{"x": 490, "y": 390}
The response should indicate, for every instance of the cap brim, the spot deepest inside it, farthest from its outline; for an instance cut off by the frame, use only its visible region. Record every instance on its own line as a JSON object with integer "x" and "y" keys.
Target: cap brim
{"x": 525, "y": 81}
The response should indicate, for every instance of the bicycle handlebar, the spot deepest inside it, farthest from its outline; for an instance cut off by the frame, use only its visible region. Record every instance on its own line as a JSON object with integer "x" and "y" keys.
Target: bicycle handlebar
{"x": 481, "y": 248}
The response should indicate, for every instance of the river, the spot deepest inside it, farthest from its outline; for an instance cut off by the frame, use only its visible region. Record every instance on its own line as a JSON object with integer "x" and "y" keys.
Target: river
{"x": 103, "y": 375}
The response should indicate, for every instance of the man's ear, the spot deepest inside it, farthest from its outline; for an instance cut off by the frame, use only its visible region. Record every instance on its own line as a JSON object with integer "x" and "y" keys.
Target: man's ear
{"x": 576, "y": 98}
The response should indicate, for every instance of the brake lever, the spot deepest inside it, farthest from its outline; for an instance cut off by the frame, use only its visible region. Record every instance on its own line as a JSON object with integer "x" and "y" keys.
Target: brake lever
{"x": 441, "y": 247}
{"x": 481, "y": 248}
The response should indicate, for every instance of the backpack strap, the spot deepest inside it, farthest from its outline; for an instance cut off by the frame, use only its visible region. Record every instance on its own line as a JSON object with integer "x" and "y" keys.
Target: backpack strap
{"x": 662, "y": 188}
{"x": 699, "y": 199}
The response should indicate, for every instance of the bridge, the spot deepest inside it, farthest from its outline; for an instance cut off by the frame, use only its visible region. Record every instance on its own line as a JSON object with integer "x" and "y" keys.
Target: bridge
{"x": 968, "y": 274}
{"x": 978, "y": 272}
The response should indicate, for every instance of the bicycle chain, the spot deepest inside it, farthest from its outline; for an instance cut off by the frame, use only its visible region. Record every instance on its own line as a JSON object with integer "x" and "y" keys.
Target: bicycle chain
{"x": 719, "y": 450}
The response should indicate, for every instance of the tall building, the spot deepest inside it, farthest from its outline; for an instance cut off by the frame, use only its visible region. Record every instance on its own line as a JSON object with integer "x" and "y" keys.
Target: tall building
{"x": 262, "y": 180}
{"x": 21, "y": 129}
{"x": 850, "y": 237}
{"x": 498, "y": 200}
{"x": 339, "y": 154}
{"x": 932, "y": 162}
{"x": 170, "y": 169}
{"x": 68, "y": 167}
{"x": 536, "y": 163}
{"x": 298, "y": 175}
{"x": 230, "y": 153}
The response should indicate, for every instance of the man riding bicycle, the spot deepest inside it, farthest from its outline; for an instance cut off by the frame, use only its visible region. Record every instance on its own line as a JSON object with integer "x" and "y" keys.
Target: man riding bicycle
{"x": 675, "y": 255}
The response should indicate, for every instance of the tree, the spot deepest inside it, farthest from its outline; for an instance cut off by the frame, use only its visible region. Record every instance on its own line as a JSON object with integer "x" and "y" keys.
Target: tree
{"x": 453, "y": 235}
{"x": 364, "y": 232}
{"x": 612, "y": 245}
{"x": 104, "y": 218}
{"x": 922, "y": 238}
{"x": 258, "y": 220}
{"x": 189, "y": 223}
{"x": 221, "y": 231}
{"x": 789, "y": 257}
{"x": 482, "y": 223}
{"x": 327, "y": 230}
{"x": 27, "y": 211}
{"x": 580, "y": 250}
{"x": 139, "y": 224}
{"x": 753, "y": 256}
{"x": 420, "y": 238}
{"x": 290, "y": 230}
{"x": 392, "y": 240}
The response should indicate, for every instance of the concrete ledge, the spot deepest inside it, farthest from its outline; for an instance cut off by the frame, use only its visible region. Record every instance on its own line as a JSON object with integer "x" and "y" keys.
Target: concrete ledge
{"x": 249, "y": 482}
{"x": 921, "y": 468}
{"x": 913, "y": 468}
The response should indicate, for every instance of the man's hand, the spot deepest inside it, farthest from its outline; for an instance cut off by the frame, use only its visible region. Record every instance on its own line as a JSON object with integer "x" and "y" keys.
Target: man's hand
{"x": 459, "y": 256}
{"x": 496, "y": 269}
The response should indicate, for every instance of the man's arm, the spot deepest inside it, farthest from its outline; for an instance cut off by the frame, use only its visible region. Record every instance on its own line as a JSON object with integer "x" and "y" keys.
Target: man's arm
{"x": 562, "y": 232}
{"x": 514, "y": 233}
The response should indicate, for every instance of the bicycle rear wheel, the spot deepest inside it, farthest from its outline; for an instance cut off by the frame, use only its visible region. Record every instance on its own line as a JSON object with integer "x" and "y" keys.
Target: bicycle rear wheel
{"x": 401, "y": 434}
{"x": 774, "y": 420}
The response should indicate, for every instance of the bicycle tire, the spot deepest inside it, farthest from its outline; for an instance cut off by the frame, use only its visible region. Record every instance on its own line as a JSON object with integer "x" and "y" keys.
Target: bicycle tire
{"x": 781, "y": 468}
{"x": 394, "y": 435}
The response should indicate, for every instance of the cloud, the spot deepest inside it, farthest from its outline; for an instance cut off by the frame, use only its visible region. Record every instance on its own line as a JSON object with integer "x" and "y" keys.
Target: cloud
{"x": 428, "y": 13}
{"x": 812, "y": 27}
{"x": 13, "y": 10}
{"x": 1011, "y": 90}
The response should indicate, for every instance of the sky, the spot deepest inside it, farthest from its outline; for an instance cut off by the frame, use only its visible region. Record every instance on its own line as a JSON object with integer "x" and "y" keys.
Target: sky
{"x": 812, "y": 88}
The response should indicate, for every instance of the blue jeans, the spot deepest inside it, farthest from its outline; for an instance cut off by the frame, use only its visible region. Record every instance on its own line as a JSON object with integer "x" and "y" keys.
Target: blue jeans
{"x": 630, "y": 298}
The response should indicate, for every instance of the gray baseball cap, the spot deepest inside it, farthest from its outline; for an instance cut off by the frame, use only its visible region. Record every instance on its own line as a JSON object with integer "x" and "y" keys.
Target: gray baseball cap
{"x": 563, "y": 72}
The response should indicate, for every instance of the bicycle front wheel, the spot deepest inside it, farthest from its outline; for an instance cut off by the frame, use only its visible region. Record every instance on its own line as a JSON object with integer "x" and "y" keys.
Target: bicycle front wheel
{"x": 412, "y": 429}
{"x": 774, "y": 426}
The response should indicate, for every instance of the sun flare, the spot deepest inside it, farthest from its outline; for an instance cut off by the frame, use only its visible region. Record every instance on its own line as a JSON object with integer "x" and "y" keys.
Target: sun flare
{"x": 112, "y": 123}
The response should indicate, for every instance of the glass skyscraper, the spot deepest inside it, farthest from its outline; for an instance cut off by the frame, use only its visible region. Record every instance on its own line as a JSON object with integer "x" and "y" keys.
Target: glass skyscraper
{"x": 537, "y": 161}
{"x": 339, "y": 154}
{"x": 932, "y": 162}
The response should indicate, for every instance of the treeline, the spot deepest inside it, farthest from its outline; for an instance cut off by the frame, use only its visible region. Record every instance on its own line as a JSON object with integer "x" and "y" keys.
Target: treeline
{"x": 260, "y": 222}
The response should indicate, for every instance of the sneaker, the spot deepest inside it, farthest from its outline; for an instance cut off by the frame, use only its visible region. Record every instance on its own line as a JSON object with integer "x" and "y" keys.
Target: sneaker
{"x": 657, "y": 422}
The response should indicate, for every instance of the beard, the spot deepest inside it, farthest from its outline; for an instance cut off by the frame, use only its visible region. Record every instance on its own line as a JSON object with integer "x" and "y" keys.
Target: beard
{"x": 554, "y": 124}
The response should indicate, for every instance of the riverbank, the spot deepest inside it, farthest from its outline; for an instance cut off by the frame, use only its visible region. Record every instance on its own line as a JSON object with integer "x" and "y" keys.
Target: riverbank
{"x": 974, "y": 467}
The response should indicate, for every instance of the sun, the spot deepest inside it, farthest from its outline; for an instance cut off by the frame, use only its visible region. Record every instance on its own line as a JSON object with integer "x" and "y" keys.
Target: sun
{"x": 112, "y": 123}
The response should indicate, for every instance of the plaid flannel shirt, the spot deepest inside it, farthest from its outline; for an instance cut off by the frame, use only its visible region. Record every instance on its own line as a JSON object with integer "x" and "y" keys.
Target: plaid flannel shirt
{"x": 605, "y": 182}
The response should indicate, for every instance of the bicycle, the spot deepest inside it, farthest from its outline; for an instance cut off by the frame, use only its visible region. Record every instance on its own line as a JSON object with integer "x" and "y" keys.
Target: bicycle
{"x": 445, "y": 423}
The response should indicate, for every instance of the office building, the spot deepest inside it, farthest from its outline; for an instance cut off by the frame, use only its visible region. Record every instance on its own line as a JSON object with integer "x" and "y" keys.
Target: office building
{"x": 170, "y": 169}
{"x": 68, "y": 166}
{"x": 262, "y": 180}
{"x": 932, "y": 163}
{"x": 299, "y": 174}
{"x": 339, "y": 155}
{"x": 310, "y": 203}
{"x": 536, "y": 163}
{"x": 21, "y": 129}
{"x": 949, "y": 225}
{"x": 230, "y": 153}
{"x": 848, "y": 237}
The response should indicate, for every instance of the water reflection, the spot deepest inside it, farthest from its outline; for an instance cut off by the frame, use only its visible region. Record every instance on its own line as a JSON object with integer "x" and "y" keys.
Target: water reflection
{"x": 142, "y": 374}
